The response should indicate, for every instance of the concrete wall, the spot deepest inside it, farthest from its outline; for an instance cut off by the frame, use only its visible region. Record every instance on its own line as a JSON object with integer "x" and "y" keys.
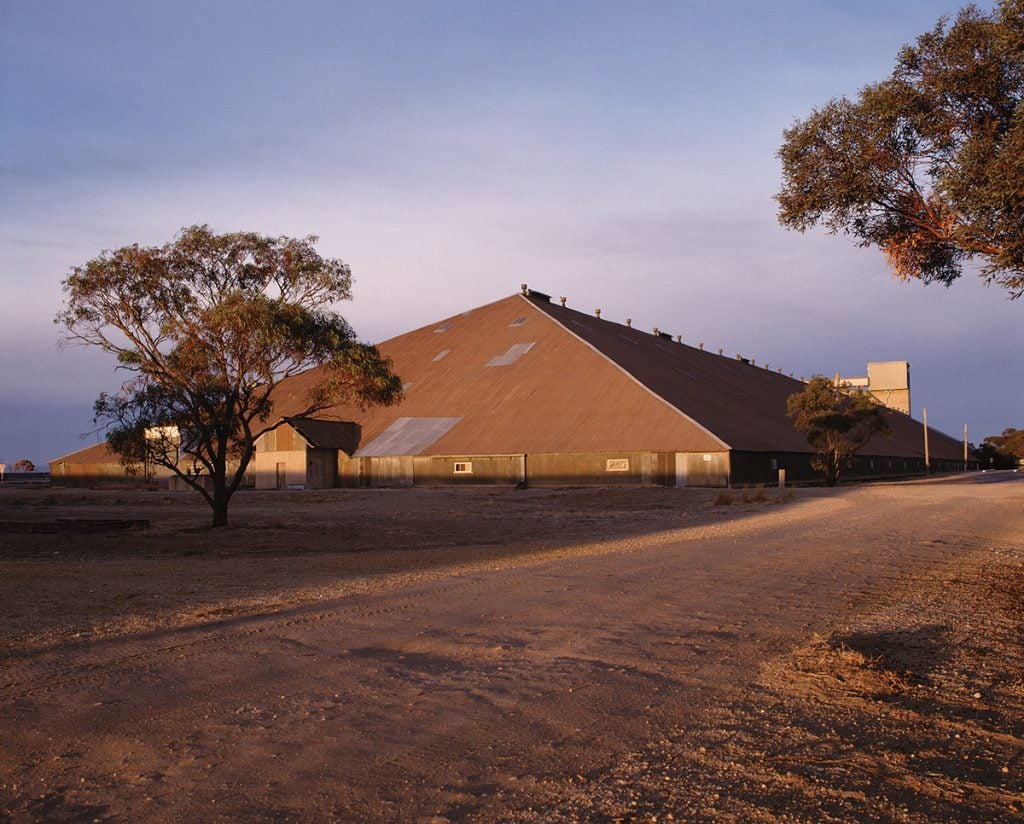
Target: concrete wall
{"x": 702, "y": 469}
{"x": 537, "y": 469}
{"x": 440, "y": 470}
{"x": 282, "y": 460}
{"x": 590, "y": 468}
{"x": 321, "y": 468}
{"x": 763, "y": 467}
{"x": 103, "y": 474}
{"x": 280, "y": 469}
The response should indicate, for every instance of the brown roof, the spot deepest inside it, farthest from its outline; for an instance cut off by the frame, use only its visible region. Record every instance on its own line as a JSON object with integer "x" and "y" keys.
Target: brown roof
{"x": 326, "y": 434}
{"x": 558, "y": 395}
{"x": 95, "y": 454}
{"x": 525, "y": 375}
{"x": 743, "y": 404}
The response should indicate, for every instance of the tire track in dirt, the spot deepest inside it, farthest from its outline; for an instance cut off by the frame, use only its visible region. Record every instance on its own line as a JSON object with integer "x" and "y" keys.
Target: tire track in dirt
{"x": 66, "y": 667}
{"x": 462, "y": 697}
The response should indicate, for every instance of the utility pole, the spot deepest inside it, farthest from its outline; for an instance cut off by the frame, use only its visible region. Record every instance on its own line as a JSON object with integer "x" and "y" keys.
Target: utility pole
{"x": 927, "y": 459}
{"x": 965, "y": 447}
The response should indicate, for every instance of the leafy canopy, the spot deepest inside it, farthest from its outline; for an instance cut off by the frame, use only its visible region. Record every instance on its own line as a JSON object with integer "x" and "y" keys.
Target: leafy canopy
{"x": 838, "y": 422}
{"x": 927, "y": 165}
{"x": 1002, "y": 451}
{"x": 210, "y": 325}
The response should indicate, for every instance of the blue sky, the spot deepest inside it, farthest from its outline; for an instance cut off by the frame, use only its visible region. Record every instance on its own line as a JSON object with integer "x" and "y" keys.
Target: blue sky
{"x": 621, "y": 154}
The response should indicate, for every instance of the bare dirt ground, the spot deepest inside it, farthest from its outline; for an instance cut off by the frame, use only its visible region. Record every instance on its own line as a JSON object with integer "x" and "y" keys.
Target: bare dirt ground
{"x": 524, "y": 656}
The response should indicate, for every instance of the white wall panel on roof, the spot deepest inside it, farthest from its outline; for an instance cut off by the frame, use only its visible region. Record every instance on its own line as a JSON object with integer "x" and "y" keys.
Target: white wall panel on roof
{"x": 511, "y": 355}
{"x": 407, "y": 436}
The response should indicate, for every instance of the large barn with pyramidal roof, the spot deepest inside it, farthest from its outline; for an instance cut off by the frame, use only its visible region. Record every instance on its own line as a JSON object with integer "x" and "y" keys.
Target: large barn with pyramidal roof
{"x": 527, "y": 390}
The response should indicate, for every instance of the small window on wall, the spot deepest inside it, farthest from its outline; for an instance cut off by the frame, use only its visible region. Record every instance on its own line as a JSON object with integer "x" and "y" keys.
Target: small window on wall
{"x": 617, "y": 465}
{"x": 463, "y": 468}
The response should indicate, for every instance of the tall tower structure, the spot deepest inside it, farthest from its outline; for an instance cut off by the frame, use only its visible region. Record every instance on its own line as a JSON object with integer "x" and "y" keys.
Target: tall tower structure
{"x": 888, "y": 382}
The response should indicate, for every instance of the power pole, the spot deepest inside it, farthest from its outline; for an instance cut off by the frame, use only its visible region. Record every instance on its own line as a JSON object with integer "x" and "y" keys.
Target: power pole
{"x": 965, "y": 447}
{"x": 927, "y": 459}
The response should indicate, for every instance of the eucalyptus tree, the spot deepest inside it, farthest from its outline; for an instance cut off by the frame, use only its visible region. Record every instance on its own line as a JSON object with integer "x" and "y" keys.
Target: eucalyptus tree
{"x": 838, "y": 421}
{"x": 927, "y": 165}
{"x": 209, "y": 326}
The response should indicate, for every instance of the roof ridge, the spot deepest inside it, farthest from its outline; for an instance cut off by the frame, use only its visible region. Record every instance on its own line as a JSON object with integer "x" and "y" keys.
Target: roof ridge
{"x": 623, "y": 370}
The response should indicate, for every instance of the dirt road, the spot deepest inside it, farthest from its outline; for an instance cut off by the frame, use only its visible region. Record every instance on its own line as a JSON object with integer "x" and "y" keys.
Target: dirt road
{"x": 629, "y": 655}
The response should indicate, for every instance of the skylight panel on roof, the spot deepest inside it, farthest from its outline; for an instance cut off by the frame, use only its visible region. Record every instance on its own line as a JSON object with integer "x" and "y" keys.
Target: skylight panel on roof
{"x": 441, "y": 355}
{"x": 518, "y": 322}
{"x": 446, "y": 325}
{"x": 511, "y": 355}
{"x": 407, "y": 436}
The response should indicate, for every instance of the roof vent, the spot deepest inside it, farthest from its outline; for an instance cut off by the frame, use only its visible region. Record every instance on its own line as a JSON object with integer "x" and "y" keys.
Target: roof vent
{"x": 524, "y": 288}
{"x": 629, "y": 323}
{"x": 563, "y": 299}
{"x": 721, "y": 351}
{"x": 701, "y": 346}
{"x": 597, "y": 313}
{"x": 679, "y": 338}
{"x": 656, "y": 332}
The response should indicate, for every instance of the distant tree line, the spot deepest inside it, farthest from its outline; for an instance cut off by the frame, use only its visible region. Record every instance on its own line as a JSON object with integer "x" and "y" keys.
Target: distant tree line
{"x": 1004, "y": 451}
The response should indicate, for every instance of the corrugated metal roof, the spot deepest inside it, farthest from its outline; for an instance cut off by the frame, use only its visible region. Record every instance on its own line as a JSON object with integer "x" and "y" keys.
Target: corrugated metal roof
{"x": 97, "y": 453}
{"x": 587, "y": 385}
{"x": 327, "y": 434}
{"x": 741, "y": 403}
{"x": 561, "y": 397}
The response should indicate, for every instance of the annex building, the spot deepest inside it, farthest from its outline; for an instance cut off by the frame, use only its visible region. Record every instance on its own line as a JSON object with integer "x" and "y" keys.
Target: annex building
{"x": 526, "y": 390}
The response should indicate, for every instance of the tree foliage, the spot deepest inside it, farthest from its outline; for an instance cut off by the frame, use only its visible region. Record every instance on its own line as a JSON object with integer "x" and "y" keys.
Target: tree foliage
{"x": 927, "y": 165}
{"x": 1002, "y": 451}
{"x": 210, "y": 325}
{"x": 24, "y": 465}
{"x": 838, "y": 422}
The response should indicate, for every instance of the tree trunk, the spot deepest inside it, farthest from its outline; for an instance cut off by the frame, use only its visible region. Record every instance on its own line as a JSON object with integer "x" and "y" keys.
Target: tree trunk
{"x": 221, "y": 496}
{"x": 832, "y": 473}
{"x": 220, "y": 511}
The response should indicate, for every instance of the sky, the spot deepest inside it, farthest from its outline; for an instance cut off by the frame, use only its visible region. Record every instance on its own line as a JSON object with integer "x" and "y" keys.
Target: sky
{"x": 622, "y": 154}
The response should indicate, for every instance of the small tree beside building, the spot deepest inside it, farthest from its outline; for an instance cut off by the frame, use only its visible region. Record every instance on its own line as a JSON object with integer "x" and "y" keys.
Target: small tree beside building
{"x": 838, "y": 421}
{"x": 210, "y": 325}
